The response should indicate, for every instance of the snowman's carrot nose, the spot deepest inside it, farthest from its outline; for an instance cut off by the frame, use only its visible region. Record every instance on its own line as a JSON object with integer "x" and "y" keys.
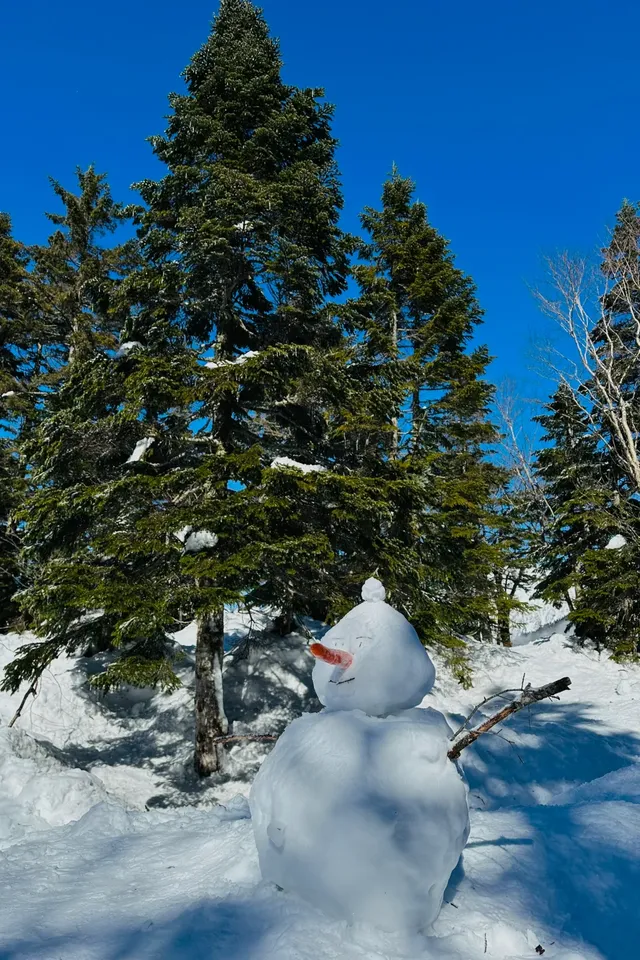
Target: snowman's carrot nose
{"x": 339, "y": 658}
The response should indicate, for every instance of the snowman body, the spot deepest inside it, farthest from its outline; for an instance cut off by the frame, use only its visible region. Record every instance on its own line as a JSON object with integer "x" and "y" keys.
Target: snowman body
{"x": 358, "y": 809}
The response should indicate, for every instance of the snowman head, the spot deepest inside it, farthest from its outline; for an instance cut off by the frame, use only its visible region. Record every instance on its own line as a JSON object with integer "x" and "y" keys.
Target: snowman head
{"x": 372, "y": 660}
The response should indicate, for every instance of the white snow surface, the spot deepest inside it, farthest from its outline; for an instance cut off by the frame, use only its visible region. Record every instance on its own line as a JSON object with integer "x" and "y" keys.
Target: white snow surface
{"x": 239, "y": 360}
{"x": 140, "y": 449}
{"x": 92, "y": 875}
{"x": 128, "y": 347}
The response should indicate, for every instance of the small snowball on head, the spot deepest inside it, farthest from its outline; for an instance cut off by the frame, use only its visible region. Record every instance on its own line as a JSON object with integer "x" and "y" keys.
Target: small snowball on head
{"x": 373, "y": 590}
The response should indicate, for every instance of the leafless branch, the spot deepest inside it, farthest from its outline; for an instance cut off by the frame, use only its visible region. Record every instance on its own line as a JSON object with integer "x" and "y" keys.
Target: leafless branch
{"x": 605, "y": 362}
{"x": 247, "y": 737}
{"x": 493, "y": 696}
{"x": 32, "y": 691}
{"x": 529, "y": 695}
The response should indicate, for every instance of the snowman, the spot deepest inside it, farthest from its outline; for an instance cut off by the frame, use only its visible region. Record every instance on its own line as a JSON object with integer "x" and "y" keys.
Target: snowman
{"x": 358, "y": 809}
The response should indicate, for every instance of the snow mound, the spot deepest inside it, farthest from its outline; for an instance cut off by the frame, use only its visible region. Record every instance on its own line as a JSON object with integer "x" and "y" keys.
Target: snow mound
{"x": 363, "y": 817}
{"x": 373, "y": 590}
{"x": 37, "y": 790}
{"x": 200, "y": 540}
{"x": 126, "y": 348}
{"x": 616, "y": 542}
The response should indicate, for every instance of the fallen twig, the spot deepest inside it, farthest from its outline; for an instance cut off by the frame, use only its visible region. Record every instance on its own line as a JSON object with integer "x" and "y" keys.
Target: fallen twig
{"x": 493, "y": 696}
{"x": 529, "y": 695}
{"x": 246, "y": 736}
{"x": 33, "y": 690}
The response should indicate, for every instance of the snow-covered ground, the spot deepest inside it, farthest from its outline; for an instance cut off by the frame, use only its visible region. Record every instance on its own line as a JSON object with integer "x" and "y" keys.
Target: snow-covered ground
{"x": 111, "y": 850}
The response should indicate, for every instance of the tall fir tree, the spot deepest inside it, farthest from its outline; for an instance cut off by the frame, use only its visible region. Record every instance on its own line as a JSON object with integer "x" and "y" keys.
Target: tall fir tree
{"x": 242, "y": 249}
{"x": 419, "y": 312}
{"x": 72, "y": 284}
{"x": 212, "y": 475}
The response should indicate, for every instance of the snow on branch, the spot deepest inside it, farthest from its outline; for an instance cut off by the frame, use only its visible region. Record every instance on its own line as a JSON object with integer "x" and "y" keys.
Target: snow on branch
{"x": 126, "y": 348}
{"x": 239, "y": 360}
{"x": 287, "y": 462}
{"x": 140, "y": 449}
{"x": 529, "y": 695}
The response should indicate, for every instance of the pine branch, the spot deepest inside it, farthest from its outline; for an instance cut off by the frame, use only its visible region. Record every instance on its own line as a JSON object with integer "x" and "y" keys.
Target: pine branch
{"x": 529, "y": 695}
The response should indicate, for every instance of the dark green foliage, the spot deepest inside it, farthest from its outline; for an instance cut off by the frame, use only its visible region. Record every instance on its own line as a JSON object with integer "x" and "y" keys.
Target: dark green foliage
{"x": 416, "y": 315}
{"x": 211, "y": 424}
{"x": 15, "y": 346}
{"x": 67, "y": 439}
{"x": 236, "y": 359}
{"x": 577, "y": 481}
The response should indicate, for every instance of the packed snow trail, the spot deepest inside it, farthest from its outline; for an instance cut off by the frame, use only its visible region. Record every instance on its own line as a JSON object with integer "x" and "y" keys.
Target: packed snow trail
{"x": 551, "y": 860}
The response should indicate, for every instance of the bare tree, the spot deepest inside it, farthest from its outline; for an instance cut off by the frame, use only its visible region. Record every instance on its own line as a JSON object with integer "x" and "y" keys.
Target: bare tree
{"x": 587, "y": 303}
{"x": 518, "y": 453}
{"x": 526, "y": 507}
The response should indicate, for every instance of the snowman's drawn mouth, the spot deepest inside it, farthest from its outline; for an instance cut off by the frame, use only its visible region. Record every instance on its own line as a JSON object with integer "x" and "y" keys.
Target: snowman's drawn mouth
{"x": 338, "y": 682}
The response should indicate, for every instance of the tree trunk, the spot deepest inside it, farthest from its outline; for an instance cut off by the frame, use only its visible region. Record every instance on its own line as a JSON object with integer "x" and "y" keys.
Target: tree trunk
{"x": 504, "y": 630}
{"x": 395, "y": 436}
{"x": 211, "y": 722}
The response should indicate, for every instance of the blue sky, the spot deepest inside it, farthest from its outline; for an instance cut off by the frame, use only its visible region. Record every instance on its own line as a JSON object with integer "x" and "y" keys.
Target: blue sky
{"x": 518, "y": 120}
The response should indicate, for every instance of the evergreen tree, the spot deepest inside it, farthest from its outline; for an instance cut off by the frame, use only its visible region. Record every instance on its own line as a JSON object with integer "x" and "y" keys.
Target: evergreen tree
{"x": 575, "y": 475}
{"x": 73, "y": 275}
{"x": 15, "y": 347}
{"x": 242, "y": 250}
{"x": 419, "y": 313}
{"x": 231, "y": 360}
{"x": 65, "y": 451}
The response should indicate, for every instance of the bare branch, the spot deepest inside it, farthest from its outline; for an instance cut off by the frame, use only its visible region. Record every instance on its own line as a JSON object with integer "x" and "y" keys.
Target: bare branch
{"x": 494, "y": 696}
{"x": 247, "y": 737}
{"x": 32, "y": 691}
{"x": 529, "y": 695}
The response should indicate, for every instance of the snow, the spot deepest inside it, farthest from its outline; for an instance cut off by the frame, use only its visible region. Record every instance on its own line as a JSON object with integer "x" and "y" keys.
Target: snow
{"x": 356, "y": 810}
{"x": 390, "y": 669}
{"x": 539, "y": 621}
{"x": 9, "y": 393}
{"x": 616, "y": 542}
{"x": 551, "y": 858}
{"x": 361, "y": 816}
{"x": 247, "y": 355}
{"x": 140, "y": 449}
{"x": 126, "y": 348}
{"x": 372, "y": 589}
{"x": 296, "y": 465}
{"x": 200, "y": 540}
